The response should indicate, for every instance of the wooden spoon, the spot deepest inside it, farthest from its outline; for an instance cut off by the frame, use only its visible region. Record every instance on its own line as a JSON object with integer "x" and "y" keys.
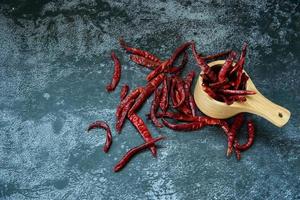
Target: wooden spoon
{"x": 256, "y": 104}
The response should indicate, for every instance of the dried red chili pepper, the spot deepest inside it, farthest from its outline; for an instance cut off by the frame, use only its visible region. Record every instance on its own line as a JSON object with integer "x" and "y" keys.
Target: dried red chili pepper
{"x": 137, "y": 51}
{"x": 125, "y": 159}
{"x": 145, "y": 62}
{"x": 158, "y": 70}
{"x": 181, "y": 92}
{"x": 133, "y": 95}
{"x": 124, "y": 91}
{"x": 251, "y": 135}
{"x": 104, "y": 125}
{"x": 148, "y": 90}
{"x": 237, "y": 92}
{"x": 121, "y": 119}
{"x": 237, "y": 123}
{"x": 117, "y": 73}
{"x": 164, "y": 102}
{"x": 187, "y": 87}
{"x": 241, "y": 60}
{"x": 226, "y": 66}
{"x": 143, "y": 130}
{"x": 218, "y": 84}
{"x": 210, "y": 92}
{"x": 154, "y": 108}
{"x": 217, "y": 55}
{"x": 202, "y": 64}
{"x": 177, "y": 70}
{"x": 177, "y": 52}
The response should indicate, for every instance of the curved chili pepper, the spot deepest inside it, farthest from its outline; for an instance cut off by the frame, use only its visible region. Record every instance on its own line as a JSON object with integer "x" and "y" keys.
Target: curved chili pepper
{"x": 218, "y": 84}
{"x": 117, "y": 73}
{"x": 177, "y": 70}
{"x": 121, "y": 119}
{"x": 182, "y": 108}
{"x": 164, "y": 102}
{"x": 237, "y": 123}
{"x": 154, "y": 108}
{"x": 137, "y": 51}
{"x": 226, "y": 66}
{"x": 104, "y": 125}
{"x": 178, "y": 51}
{"x": 251, "y": 135}
{"x": 158, "y": 70}
{"x": 237, "y": 92}
{"x": 241, "y": 60}
{"x": 133, "y": 95}
{"x": 124, "y": 91}
{"x": 184, "y": 127}
{"x": 126, "y": 158}
{"x": 202, "y": 64}
{"x": 187, "y": 87}
{"x": 143, "y": 130}
{"x": 145, "y": 62}
{"x": 148, "y": 90}
{"x": 217, "y": 55}
{"x": 181, "y": 92}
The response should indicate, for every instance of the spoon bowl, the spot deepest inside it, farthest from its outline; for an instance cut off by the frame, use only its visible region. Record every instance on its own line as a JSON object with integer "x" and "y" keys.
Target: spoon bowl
{"x": 256, "y": 104}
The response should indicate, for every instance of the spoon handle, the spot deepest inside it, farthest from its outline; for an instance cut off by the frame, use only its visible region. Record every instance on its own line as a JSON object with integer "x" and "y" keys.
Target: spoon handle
{"x": 260, "y": 105}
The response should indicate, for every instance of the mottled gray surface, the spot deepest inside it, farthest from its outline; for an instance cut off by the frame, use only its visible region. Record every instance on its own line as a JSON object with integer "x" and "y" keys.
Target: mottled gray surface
{"x": 55, "y": 63}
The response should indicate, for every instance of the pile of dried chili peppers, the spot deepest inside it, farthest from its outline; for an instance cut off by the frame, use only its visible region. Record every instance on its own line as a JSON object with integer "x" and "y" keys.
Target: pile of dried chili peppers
{"x": 172, "y": 98}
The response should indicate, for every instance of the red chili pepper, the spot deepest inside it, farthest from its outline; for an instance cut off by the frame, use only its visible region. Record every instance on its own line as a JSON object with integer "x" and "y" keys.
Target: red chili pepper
{"x": 237, "y": 92}
{"x": 143, "y": 130}
{"x": 243, "y": 83}
{"x": 177, "y": 52}
{"x": 177, "y": 116}
{"x": 210, "y": 92}
{"x": 138, "y": 52}
{"x": 218, "y": 84}
{"x": 133, "y": 95}
{"x": 237, "y": 123}
{"x": 145, "y": 62}
{"x": 241, "y": 60}
{"x": 121, "y": 119}
{"x": 251, "y": 135}
{"x": 218, "y": 55}
{"x": 117, "y": 73}
{"x": 183, "y": 108}
{"x": 126, "y": 158}
{"x": 189, "y": 97}
{"x": 104, "y": 125}
{"x": 124, "y": 91}
{"x": 154, "y": 108}
{"x": 177, "y": 70}
{"x": 181, "y": 92}
{"x": 149, "y": 89}
{"x": 226, "y": 66}
{"x": 158, "y": 70}
{"x": 164, "y": 102}
{"x": 202, "y": 64}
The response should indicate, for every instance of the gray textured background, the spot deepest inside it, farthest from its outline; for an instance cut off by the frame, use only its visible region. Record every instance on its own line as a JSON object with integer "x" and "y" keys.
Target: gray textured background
{"x": 55, "y": 63}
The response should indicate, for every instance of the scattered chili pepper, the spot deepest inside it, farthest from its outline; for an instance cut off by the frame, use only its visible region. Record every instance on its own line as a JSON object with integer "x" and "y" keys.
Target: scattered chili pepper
{"x": 124, "y": 91}
{"x": 181, "y": 92}
{"x": 218, "y": 55}
{"x": 138, "y": 51}
{"x": 154, "y": 108}
{"x": 117, "y": 73}
{"x": 251, "y": 134}
{"x": 177, "y": 70}
{"x": 121, "y": 119}
{"x": 133, "y": 95}
{"x": 237, "y": 123}
{"x": 143, "y": 130}
{"x": 158, "y": 70}
{"x": 104, "y": 125}
{"x": 134, "y": 151}
{"x": 187, "y": 87}
{"x": 164, "y": 102}
{"x": 178, "y": 51}
{"x": 145, "y": 62}
{"x": 148, "y": 90}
